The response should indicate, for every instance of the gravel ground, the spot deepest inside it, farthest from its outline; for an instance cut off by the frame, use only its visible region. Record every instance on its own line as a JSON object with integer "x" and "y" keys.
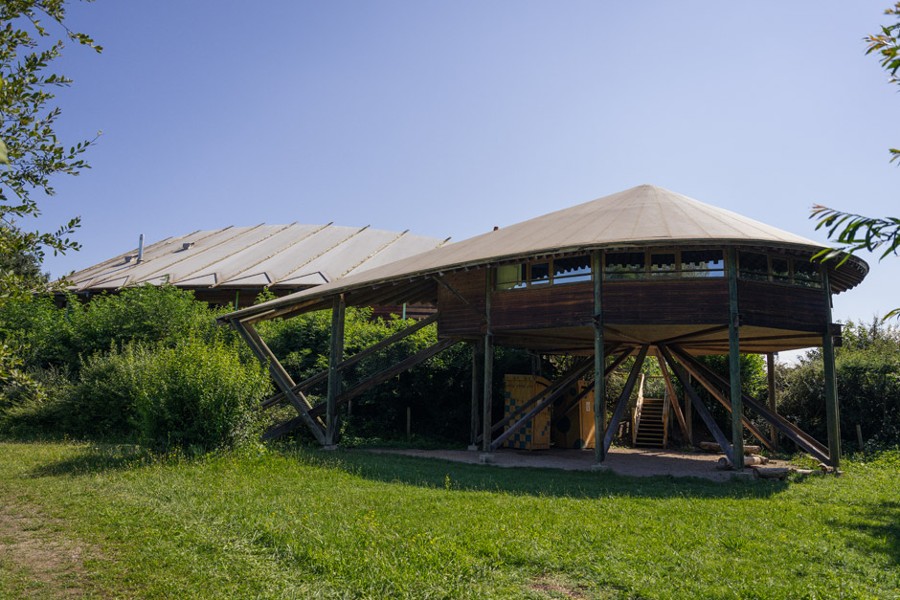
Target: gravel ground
{"x": 623, "y": 461}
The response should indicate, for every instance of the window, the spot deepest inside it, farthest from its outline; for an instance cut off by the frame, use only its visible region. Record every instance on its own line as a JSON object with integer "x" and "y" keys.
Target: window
{"x": 779, "y": 269}
{"x": 702, "y": 263}
{"x": 540, "y": 274}
{"x": 571, "y": 270}
{"x": 551, "y": 272}
{"x": 625, "y": 265}
{"x": 510, "y": 277}
{"x": 807, "y": 274}
{"x": 752, "y": 266}
{"x": 663, "y": 265}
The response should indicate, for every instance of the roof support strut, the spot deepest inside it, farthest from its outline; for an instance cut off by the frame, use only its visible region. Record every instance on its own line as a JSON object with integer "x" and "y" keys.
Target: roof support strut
{"x": 698, "y": 404}
{"x": 312, "y": 416}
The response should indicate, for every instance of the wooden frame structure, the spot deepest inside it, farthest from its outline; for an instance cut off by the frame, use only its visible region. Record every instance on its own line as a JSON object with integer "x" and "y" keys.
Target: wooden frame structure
{"x": 691, "y": 280}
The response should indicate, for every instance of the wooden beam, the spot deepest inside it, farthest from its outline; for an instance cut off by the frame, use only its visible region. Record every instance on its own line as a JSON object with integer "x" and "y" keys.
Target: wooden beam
{"x": 359, "y": 356}
{"x": 734, "y": 361}
{"x": 488, "y": 387}
{"x": 599, "y": 356}
{"x": 281, "y": 377}
{"x": 590, "y": 388}
{"x": 619, "y": 410}
{"x": 773, "y": 403}
{"x": 832, "y": 409}
{"x": 548, "y": 398}
{"x": 382, "y": 376}
{"x": 700, "y": 372}
{"x": 477, "y": 360}
{"x": 698, "y": 405}
{"x": 694, "y": 334}
{"x": 335, "y": 356}
{"x": 797, "y": 435}
{"x": 554, "y": 389}
{"x": 679, "y": 417}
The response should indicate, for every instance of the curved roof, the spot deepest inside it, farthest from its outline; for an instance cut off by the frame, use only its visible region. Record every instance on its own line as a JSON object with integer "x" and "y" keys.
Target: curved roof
{"x": 641, "y": 216}
{"x": 288, "y": 257}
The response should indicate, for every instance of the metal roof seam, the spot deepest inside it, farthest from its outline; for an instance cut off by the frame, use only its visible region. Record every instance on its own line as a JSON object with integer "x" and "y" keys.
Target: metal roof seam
{"x": 373, "y": 254}
{"x": 201, "y": 250}
{"x": 281, "y": 250}
{"x": 203, "y": 267}
{"x": 323, "y": 253}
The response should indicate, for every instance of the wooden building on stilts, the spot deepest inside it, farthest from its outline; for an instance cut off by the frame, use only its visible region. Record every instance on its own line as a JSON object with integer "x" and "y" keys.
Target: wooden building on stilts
{"x": 645, "y": 273}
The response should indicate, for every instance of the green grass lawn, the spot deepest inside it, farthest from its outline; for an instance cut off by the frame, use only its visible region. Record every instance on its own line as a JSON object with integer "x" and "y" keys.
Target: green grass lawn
{"x": 81, "y": 521}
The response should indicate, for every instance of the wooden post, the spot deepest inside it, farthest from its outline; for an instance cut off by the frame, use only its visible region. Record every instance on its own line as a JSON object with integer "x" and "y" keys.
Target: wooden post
{"x": 734, "y": 363}
{"x": 477, "y": 359}
{"x": 773, "y": 404}
{"x": 832, "y": 410}
{"x": 335, "y": 357}
{"x": 599, "y": 360}
{"x": 487, "y": 393}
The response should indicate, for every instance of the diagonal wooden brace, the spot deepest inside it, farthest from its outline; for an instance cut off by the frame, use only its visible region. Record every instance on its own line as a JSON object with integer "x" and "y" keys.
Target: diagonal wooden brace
{"x": 281, "y": 377}
{"x": 619, "y": 410}
{"x": 698, "y": 404}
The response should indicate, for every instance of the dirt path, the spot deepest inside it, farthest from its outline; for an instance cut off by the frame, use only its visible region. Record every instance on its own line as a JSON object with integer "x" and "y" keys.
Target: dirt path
{"x": 36, "y": 559}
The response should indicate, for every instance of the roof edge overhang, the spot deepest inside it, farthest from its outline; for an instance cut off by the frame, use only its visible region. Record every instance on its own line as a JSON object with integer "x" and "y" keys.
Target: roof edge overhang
{"x": 370, "y": 280}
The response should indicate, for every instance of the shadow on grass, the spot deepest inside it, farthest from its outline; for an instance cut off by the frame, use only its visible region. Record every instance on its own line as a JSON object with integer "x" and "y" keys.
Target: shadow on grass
{"x": 96, "y": 459}
{"x": 543, "y": 482}
{"x": 437, "y": 474}
{"x": 876, "y": 528}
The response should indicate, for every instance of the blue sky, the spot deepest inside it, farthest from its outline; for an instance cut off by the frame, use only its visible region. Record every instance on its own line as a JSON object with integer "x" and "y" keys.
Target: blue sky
{"x": 447, "y": 118}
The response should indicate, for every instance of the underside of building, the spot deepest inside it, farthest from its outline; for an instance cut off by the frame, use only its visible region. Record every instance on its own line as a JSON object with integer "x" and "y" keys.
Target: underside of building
{"x": 644, "y": 273}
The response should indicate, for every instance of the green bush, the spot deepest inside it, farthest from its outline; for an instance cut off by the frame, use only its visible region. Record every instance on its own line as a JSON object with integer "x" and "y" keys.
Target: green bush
{"x": 148, "y": 364}
{"x": 194, "y": 393}
{"x": 867, "y": 368}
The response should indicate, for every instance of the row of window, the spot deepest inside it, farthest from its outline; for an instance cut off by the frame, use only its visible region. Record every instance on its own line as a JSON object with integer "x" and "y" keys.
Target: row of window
{"x": 658, "y": 264}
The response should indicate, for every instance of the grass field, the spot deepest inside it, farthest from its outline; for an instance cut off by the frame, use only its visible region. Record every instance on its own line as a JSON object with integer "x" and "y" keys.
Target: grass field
{"x": 81, "y": 521}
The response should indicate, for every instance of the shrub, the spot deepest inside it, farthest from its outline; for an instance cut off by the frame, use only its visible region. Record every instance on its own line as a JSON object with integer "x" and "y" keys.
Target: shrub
{"x": 194, "y": 393}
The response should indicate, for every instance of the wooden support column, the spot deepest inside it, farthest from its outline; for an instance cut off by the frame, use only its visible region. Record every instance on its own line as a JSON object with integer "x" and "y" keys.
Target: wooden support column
{"x": 773, "y": 401}
{"x": 599, "y": 359}
{"x": 619, "y": 410}
{"x": 488, "y": 389}
{"x": 734, "y": 362}
{"x": 335, "y": 357}
{"x": 832, "y": 410}
{"x": 477, "y": 361}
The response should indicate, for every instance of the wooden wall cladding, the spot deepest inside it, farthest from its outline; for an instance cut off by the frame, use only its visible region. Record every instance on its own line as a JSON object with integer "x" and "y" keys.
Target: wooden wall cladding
{"x": 542, "y": 307}
{"x": 782, "y": 306}
{"x": 668, "y": 302}
{"x": 462, "y": 314}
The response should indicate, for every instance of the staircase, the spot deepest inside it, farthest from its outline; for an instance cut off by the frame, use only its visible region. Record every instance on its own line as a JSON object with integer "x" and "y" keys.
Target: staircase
{"x": 650, "y": 428}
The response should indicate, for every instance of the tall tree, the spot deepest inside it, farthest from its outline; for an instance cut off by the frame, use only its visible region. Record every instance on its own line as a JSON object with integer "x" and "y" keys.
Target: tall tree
{"x": 29, "y": 147}
{"x": 857, "y": 232}
{"x": 33, "y": 34}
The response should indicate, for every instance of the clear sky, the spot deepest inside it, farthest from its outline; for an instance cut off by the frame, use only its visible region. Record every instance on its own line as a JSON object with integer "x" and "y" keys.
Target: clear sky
{"x": 447, "y": 118}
